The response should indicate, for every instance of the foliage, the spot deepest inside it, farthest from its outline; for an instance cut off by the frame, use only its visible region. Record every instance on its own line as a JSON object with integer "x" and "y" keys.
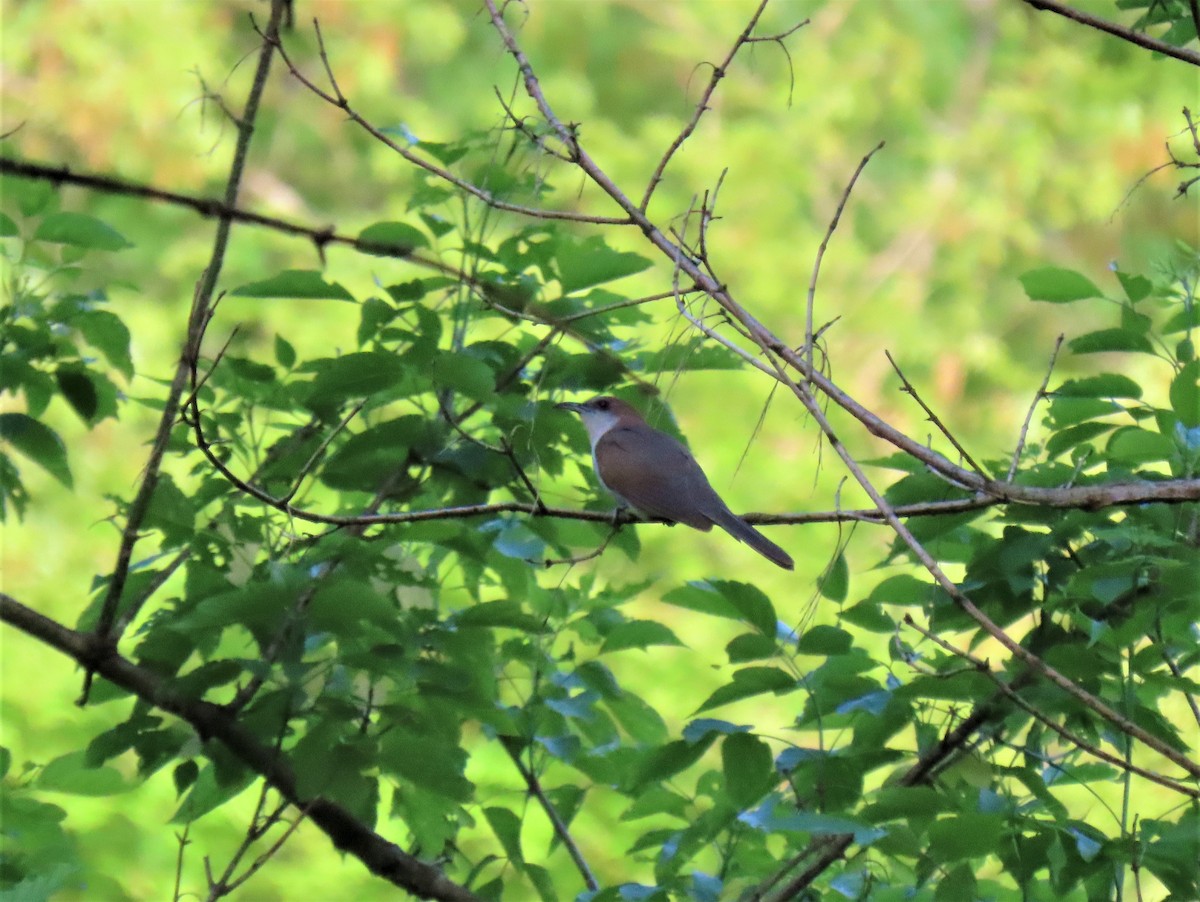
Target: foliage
{"x": 346, "y": 553}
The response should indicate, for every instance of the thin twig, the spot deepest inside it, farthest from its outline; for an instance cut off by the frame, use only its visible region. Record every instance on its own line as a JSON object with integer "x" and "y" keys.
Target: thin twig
{"x": 1041, "y": 393}
{"x": 201, "y": 304}
{"x": 810, "y": 303}
{"x": 909, "y": 389}
{"x": 560, "y": 827}
{"x": 701, "y": 107}
{"x": 983, "y": 667}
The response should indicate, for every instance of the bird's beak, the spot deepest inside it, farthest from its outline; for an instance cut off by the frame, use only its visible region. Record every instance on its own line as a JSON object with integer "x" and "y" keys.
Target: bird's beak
{"x": 569, "y": 405}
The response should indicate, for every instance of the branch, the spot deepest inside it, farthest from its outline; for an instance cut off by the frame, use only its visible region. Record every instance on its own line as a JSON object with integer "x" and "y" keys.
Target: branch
{"x": 1120, "y": 31}
{"x": 560, "y": 828}
{"x": 781, "y": 356}
{"x": 983, "y": 667}
{"x": 702, "y": 107}
{"x": 383, "y": 858}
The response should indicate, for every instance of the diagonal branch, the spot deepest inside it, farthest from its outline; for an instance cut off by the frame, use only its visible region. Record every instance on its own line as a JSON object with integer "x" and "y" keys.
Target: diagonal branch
{"x": 201, "y": 305}
{"x": 782, "y": 357}
{"x": 1120, "y": 31}
{"x": 346, "y": 832}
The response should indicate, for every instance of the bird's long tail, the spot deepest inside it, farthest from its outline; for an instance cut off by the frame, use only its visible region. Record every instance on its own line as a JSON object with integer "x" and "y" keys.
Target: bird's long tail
{"x": 744, "y": 532}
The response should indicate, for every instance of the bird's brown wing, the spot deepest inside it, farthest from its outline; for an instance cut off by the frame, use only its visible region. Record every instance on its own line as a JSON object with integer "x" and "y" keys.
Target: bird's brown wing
{"x": 655, "y": 474}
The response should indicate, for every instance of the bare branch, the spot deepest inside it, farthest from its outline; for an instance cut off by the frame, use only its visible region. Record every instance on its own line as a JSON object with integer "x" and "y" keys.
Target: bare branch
{"x": 1041, "y": 393}
{"x": 1120, "y": 31}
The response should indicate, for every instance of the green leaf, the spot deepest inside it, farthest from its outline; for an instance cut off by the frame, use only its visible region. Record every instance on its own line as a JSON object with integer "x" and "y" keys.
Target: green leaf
{"x": 965, "y": 835}
{"x": 666, "y": 761}
{"x": 1136, "y": 287}
{"x": 464, "y": 373}
{"x": 295, "y": 283}
{"x": 582, "y": 264}
{"x": 1185, "y": 395}
{"x": 285, "y": 354}
{"x": 1108, "y": 385}
{"x": 39, "y": 443}
{"x": 835, "y": 581}
{"x": 1057, "y": 285}
{"x": 80, "y": 230}
{"x": 397, "y": 237}
{"x": 823, "y": 639}
{"x": 210, "y": 791}
{"x": 370, "y": 455}
{"x": 638, "y": 634}
{"x": 355, "y": 375}
{"x": 79, "y": 391}
{"x": 70, "y": 773}
{"x": 746, "y": 762}
{"x": 507, "y": 827}
{"x": 902, "y": 589}
{"x": 958, "y": 884}
{"x": 184, "y": 775}
{"x": 429, "y": 762}
{"x": 503, "y": 612}
{"x": 749, "y": 647}
{"x": 1133, "y": 446}
{"x": 8, "y": 228}
{"x": 108, "y": 333}
{"x": 870, "y": 616}
{"x": 748, "y": 682}
{"x": 726, "y": 598}
{"x": 1103, "y": 340}
{"x": 702, "y": 597}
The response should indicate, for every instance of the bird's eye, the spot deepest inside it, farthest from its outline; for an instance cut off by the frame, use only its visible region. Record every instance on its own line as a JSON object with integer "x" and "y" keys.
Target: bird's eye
{"x": 602, "y": 404}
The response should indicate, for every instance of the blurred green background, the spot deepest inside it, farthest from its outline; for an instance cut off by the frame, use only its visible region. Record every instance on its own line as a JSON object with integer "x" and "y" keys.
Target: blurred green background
{"x": 1013, "y": 139}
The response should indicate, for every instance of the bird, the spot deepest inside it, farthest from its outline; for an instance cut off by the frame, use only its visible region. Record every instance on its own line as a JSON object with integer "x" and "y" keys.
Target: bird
{"x": 651, "y": 472}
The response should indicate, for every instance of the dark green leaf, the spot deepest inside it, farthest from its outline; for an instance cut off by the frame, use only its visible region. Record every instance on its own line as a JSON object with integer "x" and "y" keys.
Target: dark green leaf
{"x": 285, "y": 354}
{"x": 835, "y": 581}
{"x": 747, "y": 682}
{"x": 79, "y": 391}
{"x": 184, "y": 775}
{"x": 1136, "y": 287}
{"x": 746, "y": 761}
{"x": 71, "y": 773}
{"x": 294, "y": 283}
{"x": 823, "y": 639}
{"x": 668, "y": 760}
{"x": 725, "y": 598}
{"x": 80, "y": 230}
{"x": 464, "y": 373}
{"x": 503, "y": 612}
{"x": 38, "y": 442}
{"x": 355, "y": 375}
{"x": 587, "y": 262}
{"x": 397, "y": 237}
{"x": 430, "y": 762}
{"x": 638, "y": 634}
{"x": 1109, "y": 385}
{"x": 965, "y": 835}
{"x": 507, "y": 827}
{"x": 8, "y": 228}
{"x": 1110, "y": 340}
{"x": 1185, "y": 395}
{"x": 749, "y": 647}
{"x": 107, "y": 332}
{"x": 1133, "y": 446}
